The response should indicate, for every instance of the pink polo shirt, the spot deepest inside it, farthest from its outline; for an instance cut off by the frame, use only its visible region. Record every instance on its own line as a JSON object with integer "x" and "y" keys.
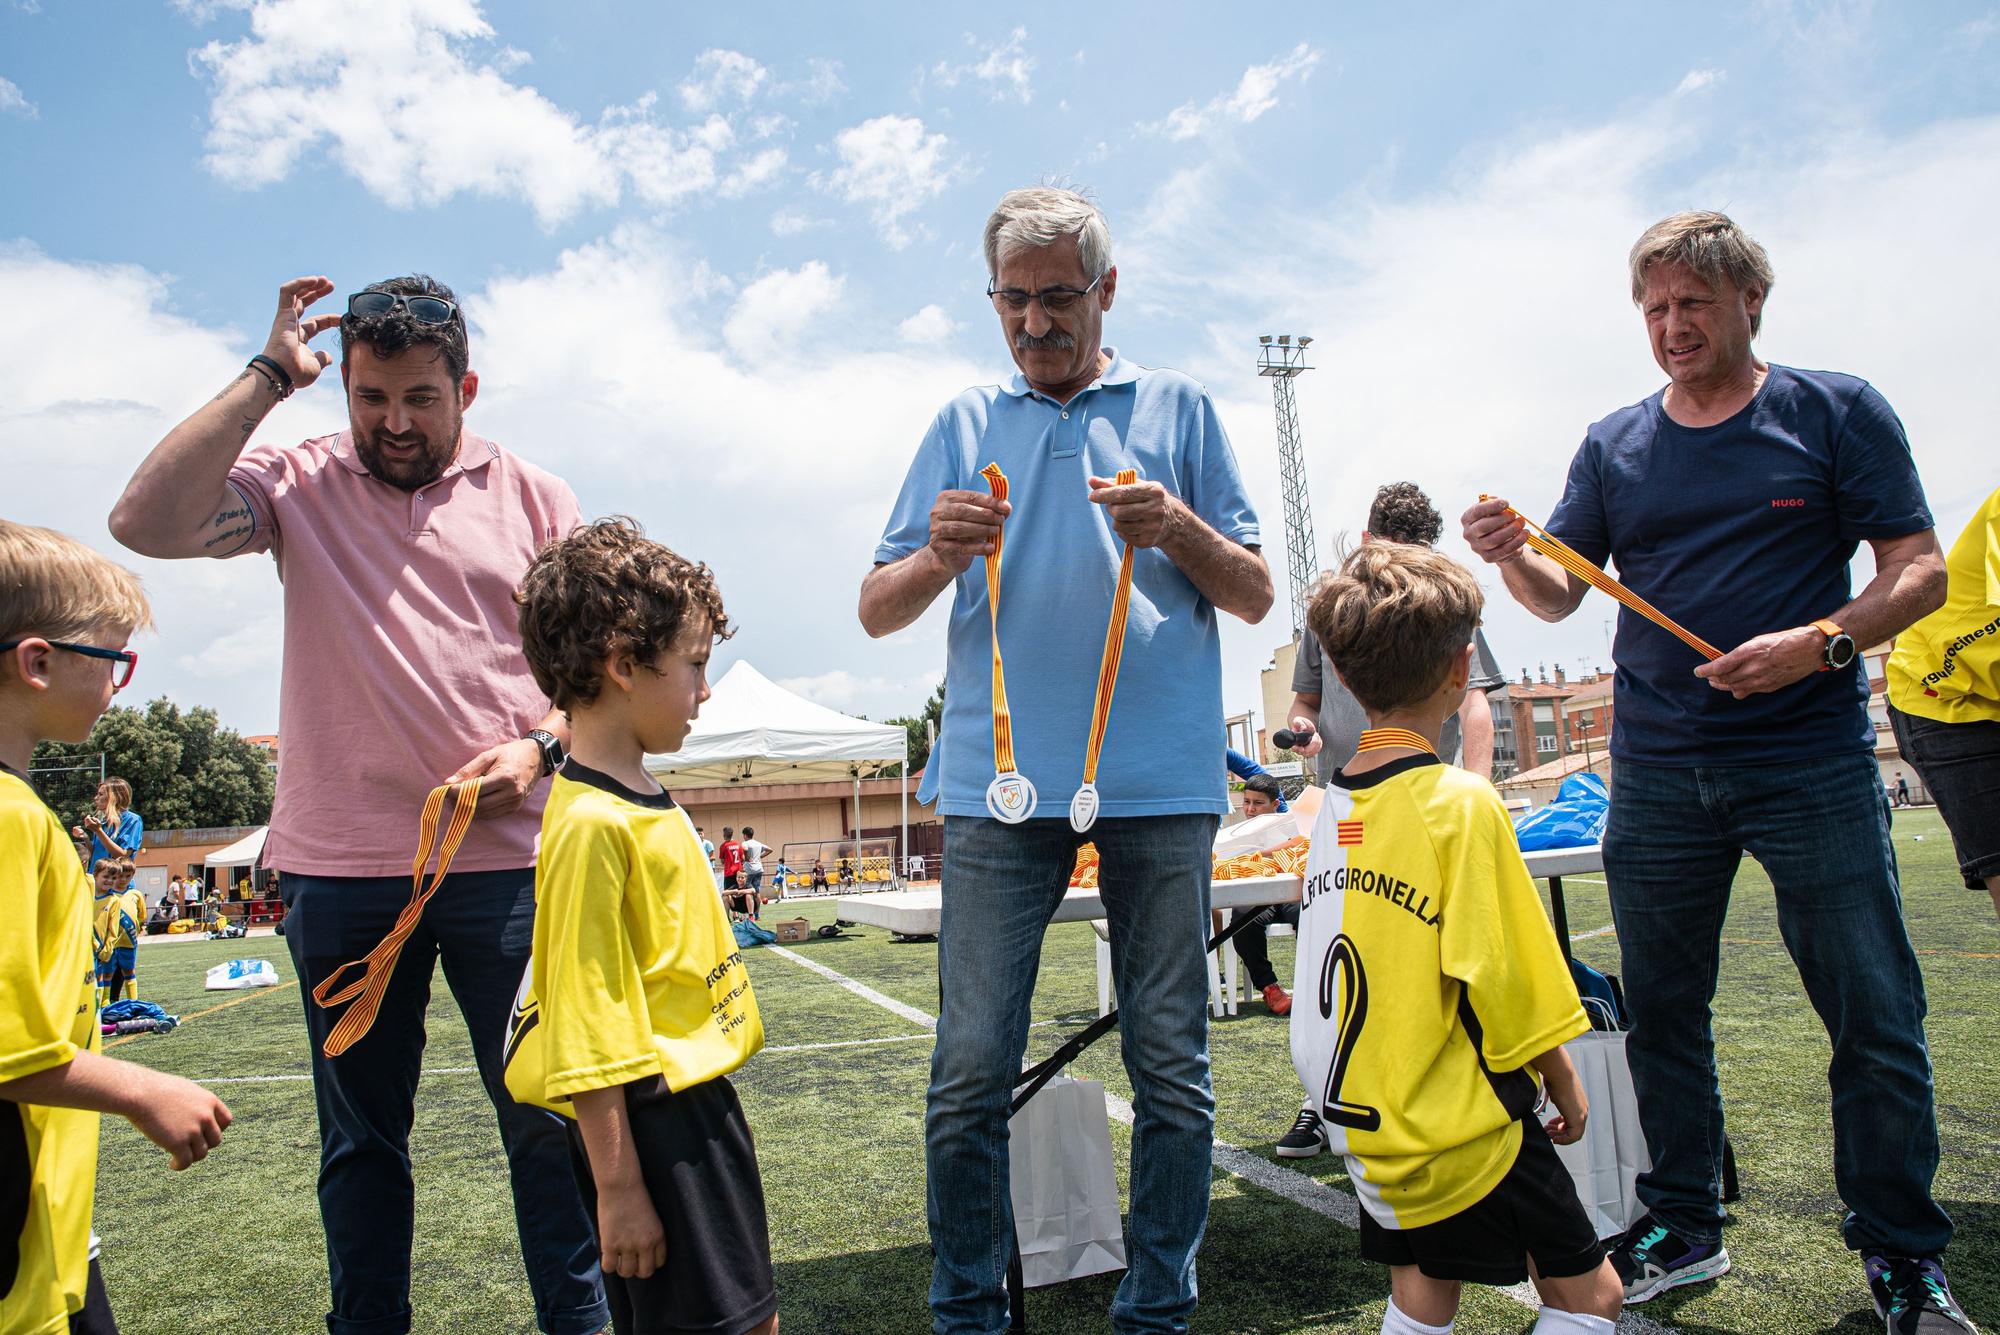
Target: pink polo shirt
{"x": 402, "y": 645}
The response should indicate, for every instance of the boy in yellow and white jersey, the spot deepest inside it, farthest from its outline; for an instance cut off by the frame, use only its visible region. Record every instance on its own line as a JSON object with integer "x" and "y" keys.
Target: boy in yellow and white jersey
{"x": 120, "y": 910}
{"x": 636, "y": 1004}
{"x": 1429, "y": 983}
{"x": 65, "y": 613}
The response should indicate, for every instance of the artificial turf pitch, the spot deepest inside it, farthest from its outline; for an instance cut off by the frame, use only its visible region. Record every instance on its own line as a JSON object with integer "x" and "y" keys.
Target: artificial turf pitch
{"x": 234, "y": 1243}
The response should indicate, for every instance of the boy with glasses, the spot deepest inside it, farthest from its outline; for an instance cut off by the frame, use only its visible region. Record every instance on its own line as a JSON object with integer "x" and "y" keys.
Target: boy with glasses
{"x": 57, "y": 600}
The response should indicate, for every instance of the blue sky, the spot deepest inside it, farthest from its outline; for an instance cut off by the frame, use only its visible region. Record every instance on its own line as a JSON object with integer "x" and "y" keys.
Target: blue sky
{"x": 722, "y": 261}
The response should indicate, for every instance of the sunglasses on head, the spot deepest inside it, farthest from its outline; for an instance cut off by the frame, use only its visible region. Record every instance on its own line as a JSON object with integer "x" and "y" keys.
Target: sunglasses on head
{"x": 424, "y": 310}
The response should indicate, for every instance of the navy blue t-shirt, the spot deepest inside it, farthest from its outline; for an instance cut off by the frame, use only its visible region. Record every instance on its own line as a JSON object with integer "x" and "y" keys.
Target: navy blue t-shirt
{"x": 1734, "y": 530}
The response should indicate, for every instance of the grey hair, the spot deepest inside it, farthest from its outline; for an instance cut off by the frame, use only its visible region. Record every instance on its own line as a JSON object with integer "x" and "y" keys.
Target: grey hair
{"x": 1041, "y": 216}
{"x": 1710, "y": 244}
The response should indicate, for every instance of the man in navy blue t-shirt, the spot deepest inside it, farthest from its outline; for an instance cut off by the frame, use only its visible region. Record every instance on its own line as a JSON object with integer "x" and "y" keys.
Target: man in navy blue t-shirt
{"x": 1733, "y": 501}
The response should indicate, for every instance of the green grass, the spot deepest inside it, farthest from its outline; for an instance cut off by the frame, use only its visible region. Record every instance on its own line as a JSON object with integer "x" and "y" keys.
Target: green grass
{"x": 839, "y": 1134}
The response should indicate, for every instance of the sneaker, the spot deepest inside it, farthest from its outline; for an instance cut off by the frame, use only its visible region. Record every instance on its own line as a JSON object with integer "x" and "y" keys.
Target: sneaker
{"x": 1277, "y": 1000}
{"x": 1651, "y": 1258}
{"x": 1912, "y": 1297}
{"x": 1306, "y": 1138}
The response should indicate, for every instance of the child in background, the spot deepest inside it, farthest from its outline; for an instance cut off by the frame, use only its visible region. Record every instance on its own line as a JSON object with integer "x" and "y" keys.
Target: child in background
{"x": 636, "y": 1005}
{"x": 1429, "y": 982}
{"x": 120, "y": 911}
{"x": 65, "y": 616}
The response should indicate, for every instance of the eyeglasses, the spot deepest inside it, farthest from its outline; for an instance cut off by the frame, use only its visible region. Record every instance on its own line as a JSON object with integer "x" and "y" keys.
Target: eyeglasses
{"x": 424, "y": 310}
{"x": 128, "y": 658}
{"x": 1053, "y": 299}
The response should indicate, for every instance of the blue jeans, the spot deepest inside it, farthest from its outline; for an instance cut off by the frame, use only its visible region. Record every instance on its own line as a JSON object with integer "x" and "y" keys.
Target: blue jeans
{"x": 1820, "y": 828}
{"x": 481, "y": 924}
{"x": 1001, "y": 886}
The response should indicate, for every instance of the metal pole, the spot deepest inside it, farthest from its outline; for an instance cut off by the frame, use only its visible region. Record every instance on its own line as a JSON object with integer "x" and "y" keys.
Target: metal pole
{"x": 904, "y": 792}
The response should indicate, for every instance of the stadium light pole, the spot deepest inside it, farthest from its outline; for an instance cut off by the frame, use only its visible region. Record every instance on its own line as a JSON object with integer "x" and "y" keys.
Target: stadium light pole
{"x": 1282, "y": 359}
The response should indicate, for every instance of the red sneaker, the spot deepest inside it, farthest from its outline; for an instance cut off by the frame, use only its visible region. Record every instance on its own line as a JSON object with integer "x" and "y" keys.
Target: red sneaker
{"x": 1278, "y": 1000}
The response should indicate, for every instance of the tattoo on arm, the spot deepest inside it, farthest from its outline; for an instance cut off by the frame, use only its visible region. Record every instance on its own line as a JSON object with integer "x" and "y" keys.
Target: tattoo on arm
{"x": 227, "y": 516}
{"x": 241, "y": 376}
{"x": 241, "y": 531}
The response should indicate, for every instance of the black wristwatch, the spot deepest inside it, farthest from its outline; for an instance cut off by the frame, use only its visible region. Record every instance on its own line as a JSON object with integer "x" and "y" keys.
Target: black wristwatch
{"x": 1839, "y": 650}
{"x": 551, "y": 749}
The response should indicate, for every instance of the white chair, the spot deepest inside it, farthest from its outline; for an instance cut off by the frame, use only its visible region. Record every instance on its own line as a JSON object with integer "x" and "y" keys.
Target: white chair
{"x": 1220, "y": 1003}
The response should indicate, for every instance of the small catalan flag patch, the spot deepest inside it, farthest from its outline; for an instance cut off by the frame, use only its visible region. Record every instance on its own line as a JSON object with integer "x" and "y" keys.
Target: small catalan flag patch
{"x": 1347, "y": 833}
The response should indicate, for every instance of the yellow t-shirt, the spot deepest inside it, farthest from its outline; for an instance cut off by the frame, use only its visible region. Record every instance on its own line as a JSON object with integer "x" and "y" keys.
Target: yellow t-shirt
{"x": 635, "y": 969}
{"x": 1947, "y": 666}
{"x": 119, "y": 916}
{"x": 1427, "y": 978}
{"x": 48, "y": 995}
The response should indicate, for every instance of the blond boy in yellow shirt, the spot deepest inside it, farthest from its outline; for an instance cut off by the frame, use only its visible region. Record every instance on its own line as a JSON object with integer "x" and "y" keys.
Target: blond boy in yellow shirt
{"x": 65, "y": 616}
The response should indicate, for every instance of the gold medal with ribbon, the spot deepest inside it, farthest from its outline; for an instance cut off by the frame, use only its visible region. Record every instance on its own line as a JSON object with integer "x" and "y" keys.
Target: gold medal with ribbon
{"x": 1011, "y": 798}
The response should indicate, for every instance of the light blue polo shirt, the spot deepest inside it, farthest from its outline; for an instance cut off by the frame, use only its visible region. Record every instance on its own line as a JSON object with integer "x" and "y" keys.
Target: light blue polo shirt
{"x": 1163, "y": 746}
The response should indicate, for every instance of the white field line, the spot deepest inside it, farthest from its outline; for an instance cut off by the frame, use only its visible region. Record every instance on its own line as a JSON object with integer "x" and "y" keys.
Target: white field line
{"x": 1605, "y": 930}
{"x": 1328, "y": 1202}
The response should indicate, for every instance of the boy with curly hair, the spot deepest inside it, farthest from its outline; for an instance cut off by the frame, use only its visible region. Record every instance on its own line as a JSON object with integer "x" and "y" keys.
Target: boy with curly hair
{"x": 636, "y": 1005}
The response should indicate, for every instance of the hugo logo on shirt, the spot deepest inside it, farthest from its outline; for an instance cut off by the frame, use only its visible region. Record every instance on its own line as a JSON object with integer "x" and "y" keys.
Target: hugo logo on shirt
{"x": 1788, "y": 503}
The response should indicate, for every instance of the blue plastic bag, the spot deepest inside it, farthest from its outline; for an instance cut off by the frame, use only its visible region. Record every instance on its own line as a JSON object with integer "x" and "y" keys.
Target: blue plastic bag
{"x": 1574, "y": 820}
{"x": 749, "y": 934}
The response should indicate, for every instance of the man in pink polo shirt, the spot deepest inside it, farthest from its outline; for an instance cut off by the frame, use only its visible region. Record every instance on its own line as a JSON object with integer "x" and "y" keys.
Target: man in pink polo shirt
{"x": 399, "y": 542}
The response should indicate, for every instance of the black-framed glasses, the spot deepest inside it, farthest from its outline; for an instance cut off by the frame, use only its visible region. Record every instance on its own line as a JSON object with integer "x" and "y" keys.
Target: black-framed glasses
{"x": 121, "y": 676}
{"x": 1053, "y": 299}
{"x": 424, "y": 310}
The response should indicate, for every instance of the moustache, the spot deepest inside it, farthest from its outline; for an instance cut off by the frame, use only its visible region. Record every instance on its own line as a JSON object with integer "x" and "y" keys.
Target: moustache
{"x": 1053, "y": 341}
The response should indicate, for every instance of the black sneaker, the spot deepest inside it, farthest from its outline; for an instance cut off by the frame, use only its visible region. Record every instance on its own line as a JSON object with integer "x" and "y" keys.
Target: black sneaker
{"x": 1651, "y": 1258}
{"x": 1306, "y": 1138}
{"x": 1912, "y": 1296}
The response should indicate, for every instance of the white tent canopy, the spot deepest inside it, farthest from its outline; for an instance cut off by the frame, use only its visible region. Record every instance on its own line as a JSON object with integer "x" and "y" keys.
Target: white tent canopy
{"x": 753, "y": 731}
{"x": 243, "y": 853}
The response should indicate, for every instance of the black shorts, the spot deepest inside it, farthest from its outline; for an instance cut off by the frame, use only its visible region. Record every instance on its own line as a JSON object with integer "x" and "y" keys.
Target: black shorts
{"x": 1960, "y": 764}
{"x": 1532, "y": 1212}
{"x": 701, "y": 1171}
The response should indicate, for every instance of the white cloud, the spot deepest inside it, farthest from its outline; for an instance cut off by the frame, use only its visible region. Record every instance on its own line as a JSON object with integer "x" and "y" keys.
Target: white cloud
{"x": 890, "y": 165}
{"x": 791, "y": 222}
{"x": 719, "y": 77}
{"x": 754, "y": 174}
{"x": 777, "y": 309}
{"x": 1255, "y": 93}
{"x": 1697, "y": 80}
{"x": 929, "y": 325}
{"x": 14, "y": 103}
{"x": 414, "y": 99}
{"x": 822, "y": 85}
{"x": 1007, "y": 69}
{"x": 852, "y": 694}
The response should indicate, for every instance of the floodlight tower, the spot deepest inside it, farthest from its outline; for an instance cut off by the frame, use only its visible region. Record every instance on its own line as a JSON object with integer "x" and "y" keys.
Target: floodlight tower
{"x": 1282, "y": 360}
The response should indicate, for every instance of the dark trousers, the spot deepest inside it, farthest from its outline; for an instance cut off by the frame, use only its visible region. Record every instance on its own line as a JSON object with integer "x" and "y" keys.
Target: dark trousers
{"x": 1250, "y": 945}
{"x": 481, "y": 924}
{"x": 1820, "y": 828}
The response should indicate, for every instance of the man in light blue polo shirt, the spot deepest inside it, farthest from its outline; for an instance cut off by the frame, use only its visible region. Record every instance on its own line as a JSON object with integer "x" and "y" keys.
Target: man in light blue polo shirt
{"x": 1060, "y": 431}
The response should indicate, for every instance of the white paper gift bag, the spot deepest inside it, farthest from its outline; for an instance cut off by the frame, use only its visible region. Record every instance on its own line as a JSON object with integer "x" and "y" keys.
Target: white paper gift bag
{"x": 1606, "y": 1163}
{"x": 1064, "y": 1187}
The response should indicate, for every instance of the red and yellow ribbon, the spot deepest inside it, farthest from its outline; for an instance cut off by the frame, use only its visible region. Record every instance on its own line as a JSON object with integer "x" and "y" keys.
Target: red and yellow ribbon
{"x": 1563, "y": 555}
{"x": 1003, "y": 725}
{"x": 1114, "y": 649}
{"x": 1377, "y": 739}
{"x": 379, "y": 964}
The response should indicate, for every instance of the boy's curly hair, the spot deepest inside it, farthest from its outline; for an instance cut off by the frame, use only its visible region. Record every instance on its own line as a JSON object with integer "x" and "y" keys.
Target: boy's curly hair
{"x": 604, "y": 589}
{"x": 1393, "y": 619}
{"x": 1402, "y": 513}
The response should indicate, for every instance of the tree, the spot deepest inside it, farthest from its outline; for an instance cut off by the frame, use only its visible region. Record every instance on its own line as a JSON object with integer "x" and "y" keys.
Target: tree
{"x": 921, "y": 728}
{"x": 185, "y": 768}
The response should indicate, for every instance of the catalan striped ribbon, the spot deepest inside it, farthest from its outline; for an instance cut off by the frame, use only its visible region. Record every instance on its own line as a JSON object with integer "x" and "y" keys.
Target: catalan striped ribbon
{"x": 1377, "y": 739}
{"x": 1114, "y": 649}
{"x": 1563, "y": 555}
{"x": 379, "y": 964}
{"x": 1003, "y": 724}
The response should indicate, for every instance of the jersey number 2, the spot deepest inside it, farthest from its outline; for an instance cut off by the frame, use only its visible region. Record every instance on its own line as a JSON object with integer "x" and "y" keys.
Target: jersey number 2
{"x": 1344, "y": 959}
